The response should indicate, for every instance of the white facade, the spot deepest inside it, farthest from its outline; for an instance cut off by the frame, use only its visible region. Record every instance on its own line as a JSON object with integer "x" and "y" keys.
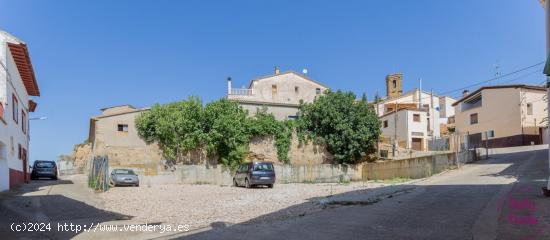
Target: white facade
{"x": 14, "y": 99}
{"x": 446, "y": 109}
{"x": 405, "y": 126}
{"x": 280, "y": 93}
{"x": 419, "y": 100}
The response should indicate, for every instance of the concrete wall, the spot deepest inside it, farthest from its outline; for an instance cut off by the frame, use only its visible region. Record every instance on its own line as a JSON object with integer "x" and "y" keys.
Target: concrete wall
{"x": 280, "y": 112}
{"x": 215, "y": 174}
{"x": 408, "y": 168}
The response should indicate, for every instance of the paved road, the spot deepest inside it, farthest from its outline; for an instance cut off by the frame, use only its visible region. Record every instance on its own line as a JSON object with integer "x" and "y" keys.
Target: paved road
{"x": 494, "y": 199}
{"x": 497, "y": 198}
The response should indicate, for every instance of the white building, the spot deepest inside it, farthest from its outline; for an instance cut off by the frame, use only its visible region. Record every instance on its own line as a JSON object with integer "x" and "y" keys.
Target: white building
{"x": 412, "y": 118}
{"x": 17, "y": 85}
{"x": 280, "y": 93}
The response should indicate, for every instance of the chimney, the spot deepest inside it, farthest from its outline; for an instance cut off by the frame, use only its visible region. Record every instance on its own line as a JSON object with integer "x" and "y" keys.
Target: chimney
{"x": 277, "y": 71}
{"x": 229, "y": 86}
{"x": 465, "y": 93}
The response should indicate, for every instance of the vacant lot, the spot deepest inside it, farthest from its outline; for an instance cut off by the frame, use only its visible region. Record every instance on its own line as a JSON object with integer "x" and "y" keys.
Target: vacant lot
{"x": 201, "y": 205}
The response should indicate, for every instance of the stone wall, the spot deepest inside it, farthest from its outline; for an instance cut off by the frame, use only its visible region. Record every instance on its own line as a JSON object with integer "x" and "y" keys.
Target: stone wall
{"x": 264, "y": 149}
{"x": 150, "y": 156}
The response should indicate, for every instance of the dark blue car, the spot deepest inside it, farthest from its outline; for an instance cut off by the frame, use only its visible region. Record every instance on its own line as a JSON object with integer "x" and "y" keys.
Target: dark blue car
{"x": 255, "y": 174}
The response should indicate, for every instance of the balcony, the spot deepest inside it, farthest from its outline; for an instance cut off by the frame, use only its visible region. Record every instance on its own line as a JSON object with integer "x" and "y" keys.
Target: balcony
{"x": 242, "y": 91}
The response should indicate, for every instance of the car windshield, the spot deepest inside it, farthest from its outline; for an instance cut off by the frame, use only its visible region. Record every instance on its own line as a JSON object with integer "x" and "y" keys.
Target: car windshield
{"x": 124, "y": 171}
{"x": 45, "y": 164}
{"x": 263, "y": 167}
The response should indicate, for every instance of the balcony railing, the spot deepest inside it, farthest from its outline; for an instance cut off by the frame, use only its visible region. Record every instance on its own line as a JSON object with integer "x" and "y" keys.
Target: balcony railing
{"x": 242, "y": 91}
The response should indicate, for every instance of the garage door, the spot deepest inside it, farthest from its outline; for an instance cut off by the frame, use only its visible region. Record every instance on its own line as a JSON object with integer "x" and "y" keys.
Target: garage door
{"x": 417, "y": 144}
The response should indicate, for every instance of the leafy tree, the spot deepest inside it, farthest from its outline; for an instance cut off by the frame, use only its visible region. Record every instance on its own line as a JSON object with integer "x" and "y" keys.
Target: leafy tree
{"x": 349, "y": 128}
{"x": 226, "y": 128}
{"x": 176, "y": 127}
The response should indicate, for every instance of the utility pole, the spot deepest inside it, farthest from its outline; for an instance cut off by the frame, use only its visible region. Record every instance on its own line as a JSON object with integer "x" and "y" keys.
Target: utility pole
{"x": 432, "y": 115}
{"x": 420, "y": 93}
{"x": 547, "y": 71}
{"x": 395, "y": 128}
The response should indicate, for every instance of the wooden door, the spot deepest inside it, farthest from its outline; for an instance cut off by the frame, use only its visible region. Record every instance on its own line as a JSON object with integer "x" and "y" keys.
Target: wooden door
{"x": 417, "y": 144}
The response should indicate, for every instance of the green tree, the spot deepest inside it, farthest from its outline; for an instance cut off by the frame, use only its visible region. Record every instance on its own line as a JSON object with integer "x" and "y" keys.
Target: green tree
{"x": 226, "y": 128}
{"x": 349, "y": 128}
{"x": 176, "y": 127}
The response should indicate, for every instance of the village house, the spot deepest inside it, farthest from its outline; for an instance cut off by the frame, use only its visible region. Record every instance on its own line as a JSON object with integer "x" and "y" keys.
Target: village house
{"x": 411, "y": 119}
{"x": 114, "y": 134}
{"x": 280, "y": 93}
{"x": 17, "y": 87}
{"x": 502, "y": 116}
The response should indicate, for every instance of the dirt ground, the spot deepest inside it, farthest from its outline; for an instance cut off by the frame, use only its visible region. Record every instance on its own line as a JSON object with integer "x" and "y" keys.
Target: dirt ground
{"x": 201, "y": 205}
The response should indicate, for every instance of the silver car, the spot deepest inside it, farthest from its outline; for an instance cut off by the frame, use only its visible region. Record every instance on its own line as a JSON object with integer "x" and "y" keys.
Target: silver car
{"x": 124, "y": 177}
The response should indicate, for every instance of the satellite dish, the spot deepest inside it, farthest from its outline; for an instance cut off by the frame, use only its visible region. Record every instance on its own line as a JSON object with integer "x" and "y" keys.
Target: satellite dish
{"x": 304, "y": 70}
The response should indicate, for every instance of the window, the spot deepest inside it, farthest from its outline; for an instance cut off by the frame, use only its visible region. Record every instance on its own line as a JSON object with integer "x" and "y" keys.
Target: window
{"x": 473, "y": 118}
{"x": 15, "y": 108}
{"x": 416, "y": 117}
{"x": 394, "y": 83}
{"x": 491, "y": 133}
{"x": 274, "y": 90}
{"x": 429, "y": 128}
{"x": 19, "y": 151}
{"x": 24, "y": 121}
{"x": 386, "y": 124}
{"x": 529, "y": 109}
{"x": 317, "y": 91}
{"x": 291, "y": 117}
{"x": 122, "y": 127}
{"x": 296, "y": 90}
{"x": 390, "y": 109}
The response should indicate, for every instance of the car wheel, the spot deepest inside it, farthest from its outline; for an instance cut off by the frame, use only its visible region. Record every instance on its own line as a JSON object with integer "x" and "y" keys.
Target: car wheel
{"x": 246, "y": 183}
{"x": 270, "y": 185}
{"x": 54, "y": 178}
{"x": 235, "y": 183}
{"x": 137, "y": 185}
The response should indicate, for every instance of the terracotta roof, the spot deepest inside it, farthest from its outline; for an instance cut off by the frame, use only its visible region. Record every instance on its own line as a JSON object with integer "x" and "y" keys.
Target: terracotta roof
{"x": 32, "y": 105}
{"x": 22, "y": 59}
{"x": 121, "y": 113}
{"x": 287, "y": 72}
{"x": 538, "y": 88}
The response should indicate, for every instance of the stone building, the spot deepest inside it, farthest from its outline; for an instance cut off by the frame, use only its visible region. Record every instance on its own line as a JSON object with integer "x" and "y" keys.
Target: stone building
{"x": 280, "y": 93}
{"x": 113, "y": 133}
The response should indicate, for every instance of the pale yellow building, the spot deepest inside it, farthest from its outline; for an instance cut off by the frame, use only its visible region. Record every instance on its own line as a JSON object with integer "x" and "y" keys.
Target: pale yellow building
{"x": 281, "y": 93}
{"x": 113, "y": 133}
{"x": 504, "y": 116}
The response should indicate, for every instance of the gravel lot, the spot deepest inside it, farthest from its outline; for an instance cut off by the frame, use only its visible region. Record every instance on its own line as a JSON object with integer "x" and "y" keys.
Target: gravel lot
{"x": 201, "y": 205}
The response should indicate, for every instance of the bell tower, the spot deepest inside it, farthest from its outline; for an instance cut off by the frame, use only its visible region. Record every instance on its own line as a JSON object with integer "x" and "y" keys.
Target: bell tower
{"x": 394, "y": 85}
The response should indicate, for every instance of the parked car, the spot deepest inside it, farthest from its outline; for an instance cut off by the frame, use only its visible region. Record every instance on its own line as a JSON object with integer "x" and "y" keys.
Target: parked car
{"x": 255, "y": 173}
{"x": 44, "y": 168}
{"x": 124, "y": 177}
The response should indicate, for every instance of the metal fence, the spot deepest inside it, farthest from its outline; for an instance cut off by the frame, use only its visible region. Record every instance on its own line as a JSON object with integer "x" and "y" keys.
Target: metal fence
{"x": 98, "y": 178}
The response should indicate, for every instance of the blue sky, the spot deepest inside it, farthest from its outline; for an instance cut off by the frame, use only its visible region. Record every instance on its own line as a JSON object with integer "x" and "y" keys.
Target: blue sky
{"x": 92, "y": 54}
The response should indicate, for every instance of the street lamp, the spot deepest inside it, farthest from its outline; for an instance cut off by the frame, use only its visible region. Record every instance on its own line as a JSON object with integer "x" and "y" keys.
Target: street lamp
{"x": 38, "y": 118}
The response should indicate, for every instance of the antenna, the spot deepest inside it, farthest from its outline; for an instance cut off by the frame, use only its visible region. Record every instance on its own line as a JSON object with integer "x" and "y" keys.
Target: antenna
{"x": 304, "y": 71}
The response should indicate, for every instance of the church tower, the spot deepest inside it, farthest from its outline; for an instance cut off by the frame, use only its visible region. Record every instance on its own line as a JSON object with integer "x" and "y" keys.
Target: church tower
{"x": 393, "y": 85}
